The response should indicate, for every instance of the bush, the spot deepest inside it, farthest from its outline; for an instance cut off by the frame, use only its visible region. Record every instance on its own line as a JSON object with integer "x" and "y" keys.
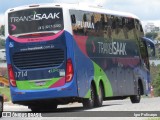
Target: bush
{"x": 2, "y": 44}
{"x": 156, "y": 86}
{"x": 6, "y": 92}
{"x": 155, "y": 73}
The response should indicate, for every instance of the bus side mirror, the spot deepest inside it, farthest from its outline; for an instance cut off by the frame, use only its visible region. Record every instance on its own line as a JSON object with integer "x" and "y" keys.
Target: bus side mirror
{"x": 150, "y": 46}
{"x": 153, "y": 52}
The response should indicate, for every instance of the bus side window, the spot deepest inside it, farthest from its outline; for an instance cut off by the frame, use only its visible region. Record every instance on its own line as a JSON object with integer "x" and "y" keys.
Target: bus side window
{"x": 73, "y": 19}
{"x": 141, "y": 29}
{"x": 144, "y": 54}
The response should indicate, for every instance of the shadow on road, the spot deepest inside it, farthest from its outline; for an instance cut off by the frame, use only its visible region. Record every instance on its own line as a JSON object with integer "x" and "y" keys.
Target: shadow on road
{"x": 71, "y": 109}
{"x": 74, "y": 109}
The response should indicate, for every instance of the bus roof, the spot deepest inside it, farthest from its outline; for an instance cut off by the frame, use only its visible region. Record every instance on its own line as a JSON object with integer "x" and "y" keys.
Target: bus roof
{"x": 79, "y": 6}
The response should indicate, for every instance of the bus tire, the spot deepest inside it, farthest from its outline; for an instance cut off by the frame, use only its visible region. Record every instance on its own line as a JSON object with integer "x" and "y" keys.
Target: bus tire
{"x": 99, "y": 97}
{"x": 1, "y": 106}
{"x": 136, "y": 98}
{"x": 89, "y": 103}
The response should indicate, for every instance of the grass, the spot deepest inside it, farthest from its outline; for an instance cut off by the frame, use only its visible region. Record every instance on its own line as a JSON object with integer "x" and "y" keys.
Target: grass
{"x": 5, "y": 91}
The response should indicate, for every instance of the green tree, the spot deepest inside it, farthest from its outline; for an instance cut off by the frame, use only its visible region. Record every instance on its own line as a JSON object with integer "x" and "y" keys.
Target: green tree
{"x": 155, "y": 74}
{"x": 2, "y": 44}
{"x": 84, "y": 17}
{"x": 156, "y": 85}
{"x": 151, "y": 35}
{"x": 154, "y": 70}
{"x": 2, "y": 30}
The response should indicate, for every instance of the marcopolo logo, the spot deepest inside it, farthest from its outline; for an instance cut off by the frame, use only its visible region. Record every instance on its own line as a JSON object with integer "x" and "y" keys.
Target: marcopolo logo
{"x": 35, "y": 17}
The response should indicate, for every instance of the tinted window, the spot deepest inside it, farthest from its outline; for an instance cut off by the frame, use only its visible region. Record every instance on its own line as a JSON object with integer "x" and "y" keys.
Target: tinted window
{"x": 107, "y": 35}
{"x": 35, "y": 20}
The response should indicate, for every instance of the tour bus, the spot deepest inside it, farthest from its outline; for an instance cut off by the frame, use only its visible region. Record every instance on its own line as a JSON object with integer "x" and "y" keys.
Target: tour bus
{"x": 62, "y": 53}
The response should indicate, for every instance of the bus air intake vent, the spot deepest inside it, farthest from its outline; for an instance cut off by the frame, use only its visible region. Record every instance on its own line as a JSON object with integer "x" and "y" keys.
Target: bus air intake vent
{"x": 38, "y": 58}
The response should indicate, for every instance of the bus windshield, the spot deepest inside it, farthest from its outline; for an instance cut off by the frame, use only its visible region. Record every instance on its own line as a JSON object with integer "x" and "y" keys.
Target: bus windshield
{"x": 35, "y": 20}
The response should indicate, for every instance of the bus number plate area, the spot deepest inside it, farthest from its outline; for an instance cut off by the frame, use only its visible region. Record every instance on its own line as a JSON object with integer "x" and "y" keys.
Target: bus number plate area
{"x": 21, "y": 74}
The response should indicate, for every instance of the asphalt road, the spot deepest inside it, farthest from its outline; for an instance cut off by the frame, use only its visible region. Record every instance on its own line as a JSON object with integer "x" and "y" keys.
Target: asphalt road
{"x": 114, "y": 109}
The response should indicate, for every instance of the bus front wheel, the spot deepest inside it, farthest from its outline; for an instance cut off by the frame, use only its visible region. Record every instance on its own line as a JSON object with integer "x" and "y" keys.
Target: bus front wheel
{"x": 136, "y": 98}
{"x": 89, "y": 103}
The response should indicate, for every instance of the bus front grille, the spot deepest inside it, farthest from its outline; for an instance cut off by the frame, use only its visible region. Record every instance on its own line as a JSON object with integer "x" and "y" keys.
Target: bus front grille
{"x": 38, "y": 58}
